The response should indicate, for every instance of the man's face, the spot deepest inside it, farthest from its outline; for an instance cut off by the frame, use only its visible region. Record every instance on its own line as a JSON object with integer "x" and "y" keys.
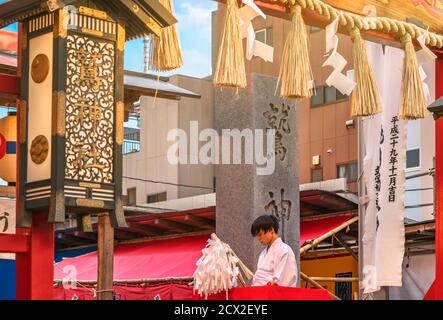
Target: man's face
{"x": 264, "y": 237}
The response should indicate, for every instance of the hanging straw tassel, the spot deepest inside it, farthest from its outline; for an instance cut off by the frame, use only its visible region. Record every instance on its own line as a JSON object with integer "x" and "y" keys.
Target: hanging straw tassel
{"x": 230, "y": 70}
{"x": 365, "y": 99}
{"x": 295, "y": 70}
{"x": 413, "y": 103}
{"x": 165, "y": 52}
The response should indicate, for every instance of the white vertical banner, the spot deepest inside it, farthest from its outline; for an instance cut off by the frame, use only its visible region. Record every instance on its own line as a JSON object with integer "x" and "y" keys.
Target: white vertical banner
{"x": 7, "y": 222}
{"x": 384, "y": 176}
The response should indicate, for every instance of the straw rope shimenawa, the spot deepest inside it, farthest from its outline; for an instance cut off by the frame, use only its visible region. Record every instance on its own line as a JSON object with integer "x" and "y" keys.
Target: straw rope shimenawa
{"x": 165, "y": 52}
{"x": 382, "y": 24}
{"x": 413, "y": 103}
{"x": 295, "y": 69}
{"x": 365, "y": 100}
{"x": 230, "y": 69}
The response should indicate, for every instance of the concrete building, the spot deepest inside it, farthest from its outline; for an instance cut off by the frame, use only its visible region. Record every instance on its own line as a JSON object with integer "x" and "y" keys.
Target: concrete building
{"x": 177, "y": 101}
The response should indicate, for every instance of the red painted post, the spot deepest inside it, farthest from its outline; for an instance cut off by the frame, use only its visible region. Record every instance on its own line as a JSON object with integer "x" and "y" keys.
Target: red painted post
{"x": 23, "y": 271}
{"x": 35, "y": 269}
{"x": 438, "y": 284}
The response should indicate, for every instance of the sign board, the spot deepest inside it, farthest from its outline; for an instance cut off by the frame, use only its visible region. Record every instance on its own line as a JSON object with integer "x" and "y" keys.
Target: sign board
{"x": 7, "y": 222}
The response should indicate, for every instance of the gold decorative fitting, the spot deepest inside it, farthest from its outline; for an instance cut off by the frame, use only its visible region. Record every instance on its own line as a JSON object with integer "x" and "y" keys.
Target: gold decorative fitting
{"x": 90, "y": 185}
{"x": 60, "y": 29}
{"x": 40, "y": 68}
{"x": 22, "y": 121}
{"x": 39, "y": 149}
{"x": 154, "y": 27}
{"x": 135, "y": 8}
{"x": 58, "y": 120}
{"x": 119, "y": 123}
{"x": 24, "y": 39}
{"x": 93, "y": 13}
{"x": 90, "y": 203}
{"x": 121, "y": 37}
{"x": 92, "y": 32}
{"x": 53, "y": 5}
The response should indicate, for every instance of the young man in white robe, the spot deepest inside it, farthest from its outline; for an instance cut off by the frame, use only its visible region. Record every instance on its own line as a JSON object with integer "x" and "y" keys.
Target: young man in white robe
{"x": 276, "y": 264}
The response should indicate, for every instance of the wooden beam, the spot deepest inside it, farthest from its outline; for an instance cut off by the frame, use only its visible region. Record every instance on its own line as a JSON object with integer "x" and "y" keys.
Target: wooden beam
{"x": 147, "y": 227}
{"x": 340, "y": 240}
{"x": 144, "y": 230}
{"x": 350, "y": 214}
{"x": 420, "y": 228}
{"x": 86, "y": 235}
{"x": 330, "y": 279}
{"x": 125, "y": 234}
{"x": 327, "y": 253}
{"x": 71, "y": 238}
{"x": 327, "y": 235}
{"x": 201, "y": 222}
{"x": 7, "y": 192}
{"x": 105, "y": 266}
{"x": 174, "y": 225}
{"x": 316, "y": 284}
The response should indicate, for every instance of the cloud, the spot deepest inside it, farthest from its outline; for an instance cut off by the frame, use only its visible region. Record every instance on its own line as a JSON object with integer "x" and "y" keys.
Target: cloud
{"x": 195, "y": 64}
{"x": 195, "y": 18}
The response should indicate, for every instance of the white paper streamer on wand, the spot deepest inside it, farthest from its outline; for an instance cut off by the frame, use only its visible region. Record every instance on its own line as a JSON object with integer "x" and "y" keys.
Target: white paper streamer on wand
{"x": 424, "y": 56}
{"x": 253, "y": 47}
{"x": 337, "y": 79}
{"x": 217, "y": 269}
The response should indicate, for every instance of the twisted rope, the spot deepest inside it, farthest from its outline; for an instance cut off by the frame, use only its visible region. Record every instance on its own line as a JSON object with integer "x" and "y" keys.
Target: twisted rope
{"x": 351, "y": 21}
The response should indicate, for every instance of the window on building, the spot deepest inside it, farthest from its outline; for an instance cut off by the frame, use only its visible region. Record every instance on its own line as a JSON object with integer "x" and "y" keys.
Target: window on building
{"x": 317, "y": 175}
{"x": 340, "y": 96}
{"x": 343, "y": 290}
{"x": 156, "y": 197}
{"x": 413, "y": 158}
{"x": 132, "y": 196}
{"x": 319, "y": 98}
{"x": 348, "y": 171}
{"x": 131, "y": 141}
{"x": 265, "y": 36}
{"x": 326, "y": 95}
{"x": 333, "y": 95}
{"x": 330, "y": 95}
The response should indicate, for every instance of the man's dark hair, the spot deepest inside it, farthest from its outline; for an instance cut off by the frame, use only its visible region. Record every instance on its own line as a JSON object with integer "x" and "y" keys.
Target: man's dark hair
{"x": 265, "y": 223}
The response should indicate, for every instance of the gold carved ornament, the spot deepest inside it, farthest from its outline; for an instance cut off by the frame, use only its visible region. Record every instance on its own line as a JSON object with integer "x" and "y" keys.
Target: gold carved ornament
{"x": 89, "y": 113}
{"x": 40, "y": 68}
{"x": 39, "y": 149}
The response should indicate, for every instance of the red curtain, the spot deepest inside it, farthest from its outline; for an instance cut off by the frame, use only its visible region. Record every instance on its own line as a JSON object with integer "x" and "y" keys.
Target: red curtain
{"x": 165, "y": 291}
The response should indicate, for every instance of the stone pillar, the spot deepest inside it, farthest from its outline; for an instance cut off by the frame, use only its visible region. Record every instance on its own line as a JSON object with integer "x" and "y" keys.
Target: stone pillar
{"x": 242, "y": 194}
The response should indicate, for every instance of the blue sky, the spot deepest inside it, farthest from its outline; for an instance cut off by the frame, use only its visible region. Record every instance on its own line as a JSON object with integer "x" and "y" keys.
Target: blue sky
{"x": 194, "y": 17}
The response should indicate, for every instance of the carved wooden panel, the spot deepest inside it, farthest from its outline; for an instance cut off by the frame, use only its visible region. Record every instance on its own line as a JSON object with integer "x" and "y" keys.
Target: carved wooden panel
{"x": 89, "y": 109}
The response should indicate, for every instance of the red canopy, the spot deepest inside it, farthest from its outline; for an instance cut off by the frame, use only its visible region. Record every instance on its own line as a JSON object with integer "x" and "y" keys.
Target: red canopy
{"x": 159, "y": 259}
{"x": 8, "y": 48}
{"x": 7, "y": 60}
{"x": 8, "y": 41}
{"x": 312, "y": 229}
{"x": 169, "y": 258}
